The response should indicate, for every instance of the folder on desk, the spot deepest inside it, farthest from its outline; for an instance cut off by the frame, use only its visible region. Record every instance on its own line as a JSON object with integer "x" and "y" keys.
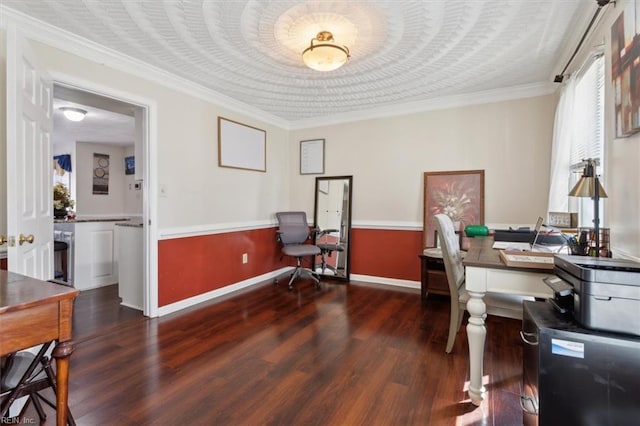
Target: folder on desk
{"x": 527, "y": 259}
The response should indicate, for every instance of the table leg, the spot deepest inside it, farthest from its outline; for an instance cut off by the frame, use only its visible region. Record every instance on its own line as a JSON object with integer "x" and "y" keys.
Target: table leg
{"x": 476, "y": 334}
{"x": 61, "y": 353}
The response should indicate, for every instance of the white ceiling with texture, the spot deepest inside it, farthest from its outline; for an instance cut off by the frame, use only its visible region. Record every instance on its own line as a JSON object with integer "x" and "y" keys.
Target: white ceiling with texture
{"x": 401, "y": 51}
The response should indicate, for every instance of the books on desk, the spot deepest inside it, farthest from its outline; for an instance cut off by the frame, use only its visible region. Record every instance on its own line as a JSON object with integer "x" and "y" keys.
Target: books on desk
{"x": 527, "y": 259}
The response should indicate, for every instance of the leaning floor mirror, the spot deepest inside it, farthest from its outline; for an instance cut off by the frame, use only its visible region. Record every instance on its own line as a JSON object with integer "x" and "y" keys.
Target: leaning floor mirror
{"x": 332, "y": 219}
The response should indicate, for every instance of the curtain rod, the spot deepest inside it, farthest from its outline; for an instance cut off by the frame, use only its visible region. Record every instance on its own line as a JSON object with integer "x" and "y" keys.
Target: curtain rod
{"x": 601, "y": 4}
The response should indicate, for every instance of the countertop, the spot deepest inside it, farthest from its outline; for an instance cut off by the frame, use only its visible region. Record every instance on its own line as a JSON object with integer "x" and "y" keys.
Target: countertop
{"x": 92, "y": 219}
{"x": 132, "y": 224}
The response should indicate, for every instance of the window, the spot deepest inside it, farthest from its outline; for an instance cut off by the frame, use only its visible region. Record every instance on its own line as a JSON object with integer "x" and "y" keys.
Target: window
{"x": 578, "y": 135}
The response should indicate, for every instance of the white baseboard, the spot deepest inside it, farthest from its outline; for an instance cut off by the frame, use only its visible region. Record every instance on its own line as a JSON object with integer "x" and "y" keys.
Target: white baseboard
{"x": 186, "y": 303}
{"x": 128, "y": 305}
{"x": 388, "y": 281}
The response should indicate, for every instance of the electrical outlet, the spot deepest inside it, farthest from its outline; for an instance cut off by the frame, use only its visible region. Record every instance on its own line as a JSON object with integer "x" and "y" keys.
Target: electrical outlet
{"x": 245, "y": 258}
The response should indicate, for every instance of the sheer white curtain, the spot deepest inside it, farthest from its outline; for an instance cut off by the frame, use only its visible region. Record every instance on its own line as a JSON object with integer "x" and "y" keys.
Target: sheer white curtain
{"x": 561, "y": 149}
{"x": 578, "y": 134}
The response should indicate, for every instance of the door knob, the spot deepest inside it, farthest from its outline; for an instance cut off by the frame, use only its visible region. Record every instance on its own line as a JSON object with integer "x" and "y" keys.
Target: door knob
{"x": 3, "y": 239}
{"x": 29, "y": 239}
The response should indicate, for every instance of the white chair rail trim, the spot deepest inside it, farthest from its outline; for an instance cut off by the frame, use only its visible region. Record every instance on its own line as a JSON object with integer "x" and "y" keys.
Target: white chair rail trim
{"x": 210, "y": 229}
{"x": 219, "y": 228}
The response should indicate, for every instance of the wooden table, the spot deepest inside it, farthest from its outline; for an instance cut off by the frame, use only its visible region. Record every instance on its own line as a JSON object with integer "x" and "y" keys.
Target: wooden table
{"x": 485, "y": 273}
{"x": 33, "y": 312}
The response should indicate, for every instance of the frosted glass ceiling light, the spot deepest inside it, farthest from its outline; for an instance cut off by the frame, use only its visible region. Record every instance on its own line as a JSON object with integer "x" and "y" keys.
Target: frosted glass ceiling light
{"x": 325, "y": 55}
{"x": 73, "y": 114}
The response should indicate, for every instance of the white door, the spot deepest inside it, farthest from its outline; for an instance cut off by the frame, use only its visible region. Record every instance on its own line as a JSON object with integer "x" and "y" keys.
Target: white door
{"x": 29, "y": 161}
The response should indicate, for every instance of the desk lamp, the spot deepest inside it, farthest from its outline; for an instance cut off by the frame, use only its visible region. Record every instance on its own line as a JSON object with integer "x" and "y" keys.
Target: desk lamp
{"x": 589, "y": 186}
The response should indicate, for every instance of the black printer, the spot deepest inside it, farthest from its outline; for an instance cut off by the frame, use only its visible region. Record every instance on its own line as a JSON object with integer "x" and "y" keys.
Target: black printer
{"x": 605, "y": 292}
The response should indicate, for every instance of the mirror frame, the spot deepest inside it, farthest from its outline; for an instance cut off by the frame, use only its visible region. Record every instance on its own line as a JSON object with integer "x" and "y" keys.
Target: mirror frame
{"x": 349, "y": 179}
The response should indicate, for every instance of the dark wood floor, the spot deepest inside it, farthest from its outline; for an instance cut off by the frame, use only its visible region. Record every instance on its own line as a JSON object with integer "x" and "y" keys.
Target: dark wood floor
{"x": 343, "y": 355}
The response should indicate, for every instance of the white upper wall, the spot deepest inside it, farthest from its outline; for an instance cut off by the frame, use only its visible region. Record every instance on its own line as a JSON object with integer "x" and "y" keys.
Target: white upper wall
{"x": 199, "y": 193}
{"x": 387, "y": 157}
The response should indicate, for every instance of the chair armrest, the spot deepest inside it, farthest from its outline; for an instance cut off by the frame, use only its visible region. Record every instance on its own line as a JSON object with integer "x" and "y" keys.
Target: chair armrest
{"x": 327, "y": 231}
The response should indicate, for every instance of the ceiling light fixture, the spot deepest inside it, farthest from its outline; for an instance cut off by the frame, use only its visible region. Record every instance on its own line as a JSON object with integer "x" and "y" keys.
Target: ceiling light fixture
{"x": 73, "y": 114}
{"x": 325, "y": 55}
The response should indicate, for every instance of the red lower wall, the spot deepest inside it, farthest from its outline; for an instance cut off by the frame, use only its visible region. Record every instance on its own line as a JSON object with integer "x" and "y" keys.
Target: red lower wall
{"x": 191, "y": 266}
{"x": 386, "y": 253}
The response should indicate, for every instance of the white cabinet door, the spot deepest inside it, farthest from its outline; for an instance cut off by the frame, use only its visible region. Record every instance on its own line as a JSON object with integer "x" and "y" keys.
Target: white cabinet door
{"x": 95, "y": 263}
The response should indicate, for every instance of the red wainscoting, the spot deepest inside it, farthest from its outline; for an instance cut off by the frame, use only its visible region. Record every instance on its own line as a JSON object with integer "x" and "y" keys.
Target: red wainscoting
{"x": 192, "y": 266}
{"x": 386, "y": 253}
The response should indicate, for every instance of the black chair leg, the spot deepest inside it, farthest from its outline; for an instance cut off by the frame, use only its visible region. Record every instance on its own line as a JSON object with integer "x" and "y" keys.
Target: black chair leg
{"x": 38, "y": 406}
{"x": 299, "y": 271}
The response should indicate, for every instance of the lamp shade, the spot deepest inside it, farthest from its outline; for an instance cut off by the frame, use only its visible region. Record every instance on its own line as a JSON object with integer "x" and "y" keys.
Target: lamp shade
{"x": 586, "y": 187}
{"x": 588, "y": 183}
{"x": 325, "y": 55}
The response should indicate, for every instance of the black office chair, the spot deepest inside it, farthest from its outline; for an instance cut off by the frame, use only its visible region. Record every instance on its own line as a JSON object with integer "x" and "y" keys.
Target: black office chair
{"x": 327, "y": 245}
{"x": 293, "y": 233}
{"x": 27, "y": 374}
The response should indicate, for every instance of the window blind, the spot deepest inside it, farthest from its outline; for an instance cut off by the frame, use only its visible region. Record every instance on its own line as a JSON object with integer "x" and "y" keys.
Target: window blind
{"x": 588, "y": 132}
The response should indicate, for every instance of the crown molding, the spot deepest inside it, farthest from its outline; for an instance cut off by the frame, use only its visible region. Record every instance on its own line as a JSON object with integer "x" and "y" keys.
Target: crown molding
{"x": 50, "y": 35}
{"x": 444, "y": 102}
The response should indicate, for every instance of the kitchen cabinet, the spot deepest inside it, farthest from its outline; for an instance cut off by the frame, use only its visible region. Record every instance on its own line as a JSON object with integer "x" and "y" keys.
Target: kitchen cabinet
{"x": 94, "y": 262}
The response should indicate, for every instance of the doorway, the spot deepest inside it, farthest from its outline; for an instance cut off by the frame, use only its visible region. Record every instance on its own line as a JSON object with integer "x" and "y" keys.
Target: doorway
{"x": 115, "y": 129}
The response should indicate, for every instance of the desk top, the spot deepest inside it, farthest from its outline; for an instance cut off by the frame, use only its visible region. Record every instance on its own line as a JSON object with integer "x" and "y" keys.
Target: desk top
{"x": 481, "y": 254}
{"x": 19, "y": 292}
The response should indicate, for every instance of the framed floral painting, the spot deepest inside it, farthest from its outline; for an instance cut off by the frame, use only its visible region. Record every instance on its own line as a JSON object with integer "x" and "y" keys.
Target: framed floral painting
{"x": 459, "y": 195}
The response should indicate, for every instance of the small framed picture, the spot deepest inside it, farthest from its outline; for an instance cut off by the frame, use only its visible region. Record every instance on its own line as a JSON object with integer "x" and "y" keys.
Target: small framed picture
{"x": 563, "y": 220}
{"x": 130, "y": 165}
{"x": 312, "y": 157}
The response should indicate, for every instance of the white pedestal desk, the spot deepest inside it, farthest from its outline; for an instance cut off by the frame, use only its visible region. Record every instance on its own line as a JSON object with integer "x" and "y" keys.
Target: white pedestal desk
{"x": 485, "y": 273}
